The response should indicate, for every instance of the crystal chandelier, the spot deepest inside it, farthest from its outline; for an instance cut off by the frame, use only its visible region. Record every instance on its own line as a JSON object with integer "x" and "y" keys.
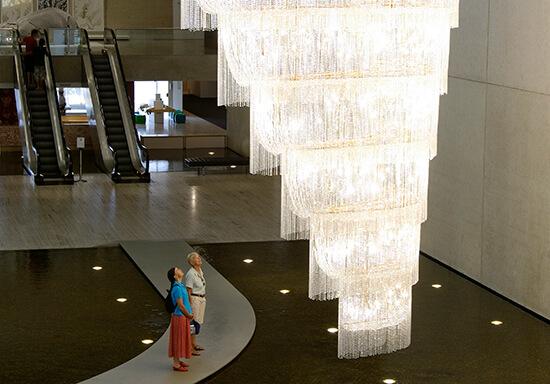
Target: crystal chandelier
{"x": 344, "y": 102}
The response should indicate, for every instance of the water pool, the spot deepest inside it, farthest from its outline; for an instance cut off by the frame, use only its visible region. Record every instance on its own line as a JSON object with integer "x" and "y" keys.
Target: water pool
{"x": 60, "y": 321}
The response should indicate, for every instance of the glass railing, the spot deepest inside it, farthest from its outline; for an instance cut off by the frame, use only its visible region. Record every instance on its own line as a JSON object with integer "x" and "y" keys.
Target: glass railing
{"x": 161, "y": 42}
{"x": 64, "y": 41}
{"x": 138, "y": 42}
{"x": 7, "y": 42}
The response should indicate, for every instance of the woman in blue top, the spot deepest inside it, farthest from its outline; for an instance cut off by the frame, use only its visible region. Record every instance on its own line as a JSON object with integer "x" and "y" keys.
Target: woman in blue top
{"x": 180, "y": 329}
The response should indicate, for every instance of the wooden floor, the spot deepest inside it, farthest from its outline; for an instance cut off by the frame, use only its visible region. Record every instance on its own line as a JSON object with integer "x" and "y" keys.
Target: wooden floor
{"x": 175, "y": 206}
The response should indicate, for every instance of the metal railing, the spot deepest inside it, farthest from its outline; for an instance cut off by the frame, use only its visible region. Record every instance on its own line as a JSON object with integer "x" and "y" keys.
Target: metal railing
{"x": 139, "y": 154}
{"x": 162, "y": 42}
{"x": 62, "y": 152}
{"x": 10, "y": 44}
{"x": 95, "y": 110}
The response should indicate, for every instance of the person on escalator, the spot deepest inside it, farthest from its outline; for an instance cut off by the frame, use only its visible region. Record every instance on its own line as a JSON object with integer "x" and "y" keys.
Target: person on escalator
{"x": 39, "y": 55}
{"x": 30, "y": 42}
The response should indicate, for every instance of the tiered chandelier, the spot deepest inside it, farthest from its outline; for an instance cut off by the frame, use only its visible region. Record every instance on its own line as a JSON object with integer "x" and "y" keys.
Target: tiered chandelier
{"x": 344, "y": 101}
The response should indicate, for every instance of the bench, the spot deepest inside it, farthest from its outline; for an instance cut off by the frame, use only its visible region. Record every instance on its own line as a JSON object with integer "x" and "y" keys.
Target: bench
{"x": 229, "y": 159}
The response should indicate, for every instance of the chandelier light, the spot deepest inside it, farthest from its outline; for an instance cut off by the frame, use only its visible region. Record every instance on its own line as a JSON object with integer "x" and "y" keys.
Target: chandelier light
{"x": 344, "y": 103}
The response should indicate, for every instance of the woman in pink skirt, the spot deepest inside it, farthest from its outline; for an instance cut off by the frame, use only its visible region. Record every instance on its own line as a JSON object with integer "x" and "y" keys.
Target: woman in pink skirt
{"x": 180, "y": 330}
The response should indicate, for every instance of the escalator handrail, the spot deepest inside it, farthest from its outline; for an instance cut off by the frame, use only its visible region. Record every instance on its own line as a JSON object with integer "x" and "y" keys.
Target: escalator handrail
{"x": 107, "y": 152}
{"x": 143, "y": 148}
{"x": 26, "y": 116}
{"x": 64, "y": 153}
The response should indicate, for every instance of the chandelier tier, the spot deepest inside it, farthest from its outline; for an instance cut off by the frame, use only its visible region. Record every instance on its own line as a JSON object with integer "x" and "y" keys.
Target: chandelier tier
{"x": 344, "y": 103}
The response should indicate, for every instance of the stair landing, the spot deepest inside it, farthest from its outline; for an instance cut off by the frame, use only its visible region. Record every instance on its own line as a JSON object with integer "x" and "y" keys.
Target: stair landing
{"x": 194, "y": 133}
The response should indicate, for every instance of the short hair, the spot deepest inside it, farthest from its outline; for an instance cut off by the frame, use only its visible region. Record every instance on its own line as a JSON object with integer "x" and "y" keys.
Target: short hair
{"x": 170, "y": 274}
{"x": 35, "y": 32}
{"x": 191, "y": 255}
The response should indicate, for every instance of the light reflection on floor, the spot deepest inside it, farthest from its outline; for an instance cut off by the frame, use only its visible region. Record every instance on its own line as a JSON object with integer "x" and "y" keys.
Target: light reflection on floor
{"x": 453, "y": 340}
{"x": 60, "y": 319}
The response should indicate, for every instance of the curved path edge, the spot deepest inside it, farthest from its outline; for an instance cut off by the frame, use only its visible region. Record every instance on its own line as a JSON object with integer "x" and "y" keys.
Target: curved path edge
{"x": 229, "y": 324}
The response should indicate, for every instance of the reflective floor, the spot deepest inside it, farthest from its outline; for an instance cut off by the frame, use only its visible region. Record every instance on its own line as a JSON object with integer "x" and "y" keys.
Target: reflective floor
{"x": 11, "y": 163}
{"x": 453, "y": 340}
{"x": 175, "y": 205}
{"x": 60, "y": 321}
{"x": 161, "y": 160}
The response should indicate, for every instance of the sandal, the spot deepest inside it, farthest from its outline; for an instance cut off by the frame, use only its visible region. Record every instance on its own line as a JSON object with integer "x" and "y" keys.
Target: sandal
{"x": 195, "y": 353}
{"x": 180, "y": 368}
{"x": 184, "y": 365}
{"x": 198, "y": 348}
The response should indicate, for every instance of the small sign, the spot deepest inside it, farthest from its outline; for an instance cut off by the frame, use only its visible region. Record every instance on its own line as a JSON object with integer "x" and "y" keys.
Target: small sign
{"x": 80, "y": 142}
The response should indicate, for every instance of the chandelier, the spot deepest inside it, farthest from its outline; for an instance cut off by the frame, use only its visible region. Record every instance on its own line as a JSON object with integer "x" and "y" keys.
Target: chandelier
{"x": 344, "y": 103}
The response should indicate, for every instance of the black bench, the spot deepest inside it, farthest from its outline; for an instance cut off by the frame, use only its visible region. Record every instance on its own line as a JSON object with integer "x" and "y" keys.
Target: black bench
{"x": 209, "y": 161}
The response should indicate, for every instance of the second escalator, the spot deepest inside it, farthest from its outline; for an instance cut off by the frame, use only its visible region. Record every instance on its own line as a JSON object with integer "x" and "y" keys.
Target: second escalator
{"x": 114, "y": 124}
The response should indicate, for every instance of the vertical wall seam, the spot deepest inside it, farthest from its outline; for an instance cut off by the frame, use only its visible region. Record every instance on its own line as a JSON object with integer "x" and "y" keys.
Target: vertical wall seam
{"x": 484, "y": 160}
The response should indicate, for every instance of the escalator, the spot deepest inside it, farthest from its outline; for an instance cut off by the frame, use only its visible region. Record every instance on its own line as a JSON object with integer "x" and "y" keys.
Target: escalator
{"x": 42, "y": 136}
{"x": 45, "y": 154}
{"x": 121, "y": 151}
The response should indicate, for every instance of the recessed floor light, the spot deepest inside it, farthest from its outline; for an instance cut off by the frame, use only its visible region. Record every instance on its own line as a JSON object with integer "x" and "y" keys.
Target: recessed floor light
{"x": 248, "y": 261}
{"x": 233, "y": 166}
{"x": 147, "y": 341}
{"x": 122, "y": 299}
{"x": 284, "y": 291}
{"x": 496, "y": 322}
{"x": 97, "y": 268}
{"x": 332, "y": 330}
{"x": 389, "y": 381}
{"x": 211, "y": 153}
{"x": 436, "y": 285}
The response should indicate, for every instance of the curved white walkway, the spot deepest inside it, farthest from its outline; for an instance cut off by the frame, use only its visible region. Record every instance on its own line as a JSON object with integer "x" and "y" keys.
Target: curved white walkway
{"x": 229, "y": 325}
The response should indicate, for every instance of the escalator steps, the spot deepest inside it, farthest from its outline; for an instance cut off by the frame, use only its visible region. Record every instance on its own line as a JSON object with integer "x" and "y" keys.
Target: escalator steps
{"x": 111, "y": 114}
{"x": 42, "y": 132}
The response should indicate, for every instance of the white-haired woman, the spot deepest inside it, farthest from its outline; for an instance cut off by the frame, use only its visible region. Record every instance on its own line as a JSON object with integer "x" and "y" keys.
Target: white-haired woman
{"x": 196, "y": 286}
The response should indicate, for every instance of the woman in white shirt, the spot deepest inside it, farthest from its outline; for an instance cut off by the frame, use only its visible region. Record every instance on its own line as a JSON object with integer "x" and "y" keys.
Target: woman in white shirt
{"x": 196, "y": 286}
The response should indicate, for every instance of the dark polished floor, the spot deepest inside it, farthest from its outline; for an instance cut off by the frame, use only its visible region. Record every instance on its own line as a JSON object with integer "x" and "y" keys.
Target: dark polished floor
{"x": 161, "y": 160}
{"x": 453, "y": 340}
{"x": 11, "y": 163}
{"x": 60, "y": 321}
{"x": 172, "y": 160}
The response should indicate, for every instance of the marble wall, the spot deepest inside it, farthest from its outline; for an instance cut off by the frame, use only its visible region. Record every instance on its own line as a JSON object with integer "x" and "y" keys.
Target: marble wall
{"x": 238, "y": 130}
{"x": 60, "y": 4}
{"x": 489, "y": 197}
{"x": 11, "y": 10}
{"x": 89, "y": 13}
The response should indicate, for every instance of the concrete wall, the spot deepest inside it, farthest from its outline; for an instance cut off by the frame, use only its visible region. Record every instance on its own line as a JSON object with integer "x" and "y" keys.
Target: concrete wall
{"x": 142, "y": 68}
{"x": 203, "y": 88}
{"x": 238, "y": 130}
{"x": 139, "y": 14}
{"x": 489, "y": 198}
{"x": 68, "y": 70}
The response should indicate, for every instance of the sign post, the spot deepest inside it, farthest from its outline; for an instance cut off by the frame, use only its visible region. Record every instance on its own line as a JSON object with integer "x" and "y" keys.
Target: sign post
{"x": 80, "y": 145}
